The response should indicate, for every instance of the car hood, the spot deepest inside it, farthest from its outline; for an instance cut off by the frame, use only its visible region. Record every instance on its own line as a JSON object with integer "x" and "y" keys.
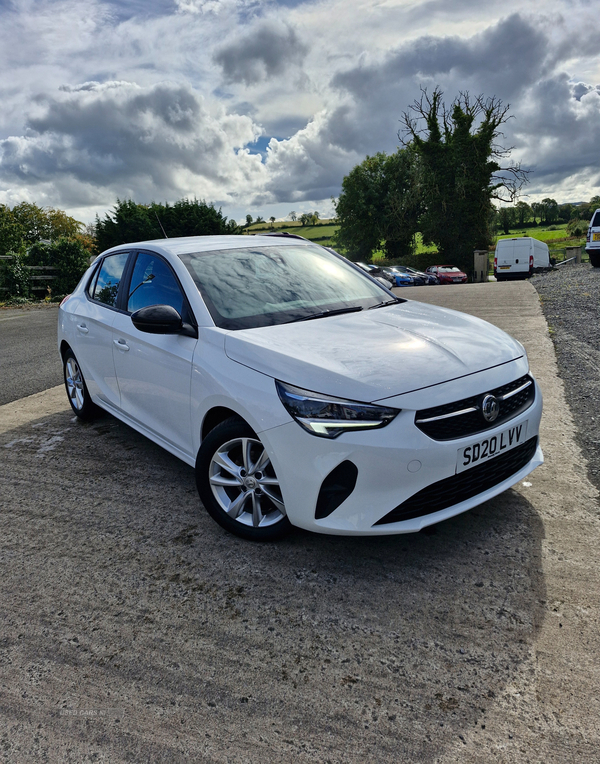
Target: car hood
{"x": 374, "y": 354}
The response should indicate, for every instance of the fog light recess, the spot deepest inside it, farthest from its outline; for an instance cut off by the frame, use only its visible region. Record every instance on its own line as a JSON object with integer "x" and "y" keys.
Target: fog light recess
{"x": 336, "y": 488}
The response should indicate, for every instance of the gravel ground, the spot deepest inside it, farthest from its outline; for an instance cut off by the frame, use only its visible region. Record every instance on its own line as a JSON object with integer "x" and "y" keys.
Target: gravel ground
{"x": 570, "y": 299}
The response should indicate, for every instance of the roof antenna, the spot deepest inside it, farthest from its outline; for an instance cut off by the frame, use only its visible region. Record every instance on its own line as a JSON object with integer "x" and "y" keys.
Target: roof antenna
{"x": 161, "y": 225}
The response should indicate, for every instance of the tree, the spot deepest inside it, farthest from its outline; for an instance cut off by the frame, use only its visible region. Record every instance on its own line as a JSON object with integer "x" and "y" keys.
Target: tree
{"x": 523, "y": 211}
{"x": 549, "y": 210}
{"x": 506, "y": 218}
{"x": 305, "y": 218}
{"x": 459, "y": 170}
{"x": 377, "y": 207}
{"x": 594, "y": 203}
{"x": 131, "y": 222}
{"x": 292, "y": 216}
{"x": 272, "y": 221}
{"x": 565, "y": 212}
{"x": 248, "y": 221}
{"x": 537, "y": 211}
{"x": 11, "y": 231}
{"x": 44, "y": 223}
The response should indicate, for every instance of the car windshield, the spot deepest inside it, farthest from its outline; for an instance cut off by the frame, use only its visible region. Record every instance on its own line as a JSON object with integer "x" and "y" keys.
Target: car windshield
{"x": 448, "y": 268}
{"x": 268, "y": 285}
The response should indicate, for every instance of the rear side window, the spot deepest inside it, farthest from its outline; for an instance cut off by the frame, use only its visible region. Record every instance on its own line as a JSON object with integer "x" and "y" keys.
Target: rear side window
{"x": 106, "y": 286}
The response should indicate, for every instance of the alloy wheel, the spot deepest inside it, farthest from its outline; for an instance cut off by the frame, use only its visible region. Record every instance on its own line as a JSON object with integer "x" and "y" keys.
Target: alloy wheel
{"x": 243, "y": 482}
{"x": 74, "y": 381}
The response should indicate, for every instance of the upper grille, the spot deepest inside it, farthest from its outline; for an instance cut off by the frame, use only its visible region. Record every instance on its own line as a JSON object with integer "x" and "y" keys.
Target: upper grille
{"x": 463, "y": 418}
{"x": 450, "y": 491}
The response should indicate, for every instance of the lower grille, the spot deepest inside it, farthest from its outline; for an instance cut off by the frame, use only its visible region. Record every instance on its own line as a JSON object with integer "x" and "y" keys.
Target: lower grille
{"x": 450, "y": 491}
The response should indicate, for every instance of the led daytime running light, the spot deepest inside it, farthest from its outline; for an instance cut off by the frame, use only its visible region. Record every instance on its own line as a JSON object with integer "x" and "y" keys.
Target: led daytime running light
{"x": 328, "y": 417}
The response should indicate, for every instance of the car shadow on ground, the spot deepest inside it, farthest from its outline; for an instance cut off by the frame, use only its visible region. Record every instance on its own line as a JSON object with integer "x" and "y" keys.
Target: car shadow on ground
{"x": 136, "y": 627}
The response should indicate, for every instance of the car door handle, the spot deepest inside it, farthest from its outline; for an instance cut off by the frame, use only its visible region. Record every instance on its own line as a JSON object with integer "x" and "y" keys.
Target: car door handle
{"x": 121, "y": 344}
{"x": 83, "y": 328}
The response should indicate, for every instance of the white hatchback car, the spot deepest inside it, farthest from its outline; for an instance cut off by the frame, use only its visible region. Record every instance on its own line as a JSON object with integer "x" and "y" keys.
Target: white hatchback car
{"x": 303, "y": 392}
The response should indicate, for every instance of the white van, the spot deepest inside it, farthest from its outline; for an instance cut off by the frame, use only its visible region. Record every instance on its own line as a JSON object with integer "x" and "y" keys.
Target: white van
{"x": 592, "y": 242}
{"x": 520, "y": 258}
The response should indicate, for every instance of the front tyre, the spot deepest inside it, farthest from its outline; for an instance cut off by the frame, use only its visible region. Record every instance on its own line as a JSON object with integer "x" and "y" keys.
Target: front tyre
{"x": 238, "y": 485}
{"x": 77, "y": 391}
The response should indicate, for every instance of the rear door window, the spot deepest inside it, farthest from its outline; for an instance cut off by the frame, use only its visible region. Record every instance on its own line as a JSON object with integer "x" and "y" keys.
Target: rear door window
{"x": 105, "y": 287}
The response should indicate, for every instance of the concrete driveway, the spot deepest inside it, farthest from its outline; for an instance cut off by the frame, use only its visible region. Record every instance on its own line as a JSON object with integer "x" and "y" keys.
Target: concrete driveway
{"x": 134, "y": 629}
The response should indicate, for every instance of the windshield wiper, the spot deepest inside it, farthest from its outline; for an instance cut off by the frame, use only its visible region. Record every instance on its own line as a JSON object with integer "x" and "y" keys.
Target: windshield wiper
{"x": 386, "y": 302}
{"x": 325, "y": 313}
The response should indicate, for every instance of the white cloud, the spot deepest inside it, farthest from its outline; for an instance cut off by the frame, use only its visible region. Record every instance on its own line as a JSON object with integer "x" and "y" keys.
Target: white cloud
{"x": 124, "y": 140}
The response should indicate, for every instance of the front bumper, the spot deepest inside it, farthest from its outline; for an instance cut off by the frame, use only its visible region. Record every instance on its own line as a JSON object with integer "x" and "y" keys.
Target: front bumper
{"x": 392, "y": 463}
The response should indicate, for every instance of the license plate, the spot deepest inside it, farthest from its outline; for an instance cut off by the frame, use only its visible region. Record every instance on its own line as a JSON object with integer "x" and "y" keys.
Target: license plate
{"x": 488, "y": 448}
{"x": 504, "y": 267}
{"x": 596, "y": 237}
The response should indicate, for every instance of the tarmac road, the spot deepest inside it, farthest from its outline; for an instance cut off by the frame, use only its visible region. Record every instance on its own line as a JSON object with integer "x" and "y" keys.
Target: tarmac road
{"x": 29, "y": 361}
{"x": 134, "y": 629}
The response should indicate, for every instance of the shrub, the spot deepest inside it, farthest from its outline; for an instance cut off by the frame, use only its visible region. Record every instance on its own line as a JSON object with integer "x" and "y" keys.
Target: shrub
{"x": 40, "y": 253}
{"x": 15, "y": 276}
{"x": 577, "y": 227}
{"x": 71, "y": 259}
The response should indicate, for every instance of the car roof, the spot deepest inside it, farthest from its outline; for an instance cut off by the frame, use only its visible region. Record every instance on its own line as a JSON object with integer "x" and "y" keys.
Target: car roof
{"x": 185, "y": 245}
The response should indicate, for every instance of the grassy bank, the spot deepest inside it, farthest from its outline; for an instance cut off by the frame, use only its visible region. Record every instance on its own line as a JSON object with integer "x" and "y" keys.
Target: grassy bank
{"x": 555, "y": 236}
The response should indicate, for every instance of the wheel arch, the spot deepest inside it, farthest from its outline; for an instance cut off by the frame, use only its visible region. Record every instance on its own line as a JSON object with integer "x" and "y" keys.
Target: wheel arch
{"x": 64, "y": 346}
{"x": 215, "y": 416}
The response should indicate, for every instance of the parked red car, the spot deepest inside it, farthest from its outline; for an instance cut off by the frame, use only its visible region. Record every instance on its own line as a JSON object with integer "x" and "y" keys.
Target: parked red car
{"x": 448, "y": 274}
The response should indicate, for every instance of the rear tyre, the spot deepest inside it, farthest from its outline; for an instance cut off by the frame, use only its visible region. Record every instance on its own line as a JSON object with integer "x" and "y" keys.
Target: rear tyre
{"x": 595, "y": 259}
{"x": 77, "y": 391}
{"x": 238, "y": 485}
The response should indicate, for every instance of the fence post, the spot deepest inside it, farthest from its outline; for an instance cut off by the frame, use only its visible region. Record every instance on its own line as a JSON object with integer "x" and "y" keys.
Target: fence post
{"x": 573, "y": 252}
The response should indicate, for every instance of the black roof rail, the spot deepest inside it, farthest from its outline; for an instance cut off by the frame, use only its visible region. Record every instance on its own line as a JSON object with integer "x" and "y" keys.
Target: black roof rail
{"x": 283, "y": 233}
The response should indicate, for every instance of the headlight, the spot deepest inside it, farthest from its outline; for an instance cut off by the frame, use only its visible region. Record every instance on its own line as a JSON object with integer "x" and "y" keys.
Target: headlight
{"x": 329, "y": 417}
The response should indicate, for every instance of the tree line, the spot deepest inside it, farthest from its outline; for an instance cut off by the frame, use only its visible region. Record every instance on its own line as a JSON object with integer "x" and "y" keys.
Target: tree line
{"x": 548, "y": 212}
{"x": 36, "y": 236}
{"x": 40, "y": 237}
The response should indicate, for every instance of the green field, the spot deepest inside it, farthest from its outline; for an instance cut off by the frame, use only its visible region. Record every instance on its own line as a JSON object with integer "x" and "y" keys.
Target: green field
{"x": 557, "y": 240}
{"x": 424, "y": 256}
{"x": 322, "y": 232}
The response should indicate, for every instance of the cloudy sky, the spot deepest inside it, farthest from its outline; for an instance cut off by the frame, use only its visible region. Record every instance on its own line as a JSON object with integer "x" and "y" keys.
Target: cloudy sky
{"x": 262, "y": 107}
